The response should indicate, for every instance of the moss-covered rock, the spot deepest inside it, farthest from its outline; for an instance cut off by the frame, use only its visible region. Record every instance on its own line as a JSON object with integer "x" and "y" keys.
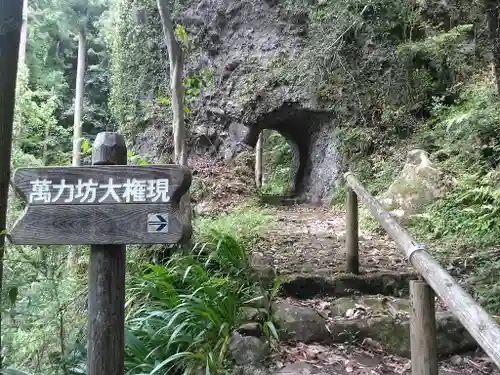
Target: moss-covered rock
{"x": 419, "y": 181}
{"x": 371, "y": 305}
{"x": 338, "y": 79}
{"x": 300, "y": 323}
{"x": 384, "y": 283}
{"x": 394, "y": 334}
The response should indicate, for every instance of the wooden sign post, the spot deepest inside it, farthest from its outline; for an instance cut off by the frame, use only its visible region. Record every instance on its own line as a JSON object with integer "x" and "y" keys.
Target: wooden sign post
{"x": 106, "y": 315}
{"x": 107, "y": 206}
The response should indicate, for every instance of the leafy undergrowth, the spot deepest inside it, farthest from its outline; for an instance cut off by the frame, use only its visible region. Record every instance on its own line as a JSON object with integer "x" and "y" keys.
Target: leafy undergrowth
{"x": 180, "y": 315}
{"x": 462, "y": 227}
{"x": 243, "y": 223}
{"x": 277, "y": 161}
{"x": 464, "y": 224}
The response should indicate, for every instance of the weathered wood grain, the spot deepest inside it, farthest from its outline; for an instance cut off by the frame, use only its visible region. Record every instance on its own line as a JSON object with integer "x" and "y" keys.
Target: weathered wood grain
{"x": 424, "y": 353}
{"x": 474, "y": 318}
{"x": 179, "y": 181}
{"x": 97, "y": 224}
{"x": 106, "y": 339}
{"x": 109, "y": 148}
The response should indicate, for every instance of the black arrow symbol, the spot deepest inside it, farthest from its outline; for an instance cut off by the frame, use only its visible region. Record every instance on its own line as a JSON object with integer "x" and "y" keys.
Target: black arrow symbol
{"x": 162, "y": 222}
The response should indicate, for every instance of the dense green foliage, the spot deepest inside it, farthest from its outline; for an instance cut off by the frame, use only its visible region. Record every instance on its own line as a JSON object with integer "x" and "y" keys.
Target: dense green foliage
{"x": 464, "y": 224}
{"x": 45, "y": 109}
{"x": 140, "y": 90}
{"x": 277, "y": 160}
{"x": 400, "y": 77}
{"x": 396, "y": 76}
{"x": 43, "y": 305}
{"x": 182, "y": 314}
{"x": 135, "y": 84}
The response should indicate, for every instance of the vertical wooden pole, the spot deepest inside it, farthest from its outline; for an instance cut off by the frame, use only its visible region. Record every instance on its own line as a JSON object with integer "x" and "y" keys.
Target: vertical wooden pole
{"x": 258, "y": 160}
{"x": 423, "y": 330}
{"x": 352, "y": 237}
{"x": 107, "y": 281}
{"x": 10, "y": 30}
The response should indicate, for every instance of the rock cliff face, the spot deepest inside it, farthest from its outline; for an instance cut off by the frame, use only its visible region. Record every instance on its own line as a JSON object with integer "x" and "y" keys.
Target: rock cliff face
{"x": 245, "y": 43}
{"x": 313, "y": 70}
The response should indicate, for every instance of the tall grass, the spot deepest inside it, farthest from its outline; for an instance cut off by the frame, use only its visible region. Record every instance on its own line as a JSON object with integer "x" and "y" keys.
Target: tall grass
{"x": 243, "y": 224}
{"x": 180, "y": 315}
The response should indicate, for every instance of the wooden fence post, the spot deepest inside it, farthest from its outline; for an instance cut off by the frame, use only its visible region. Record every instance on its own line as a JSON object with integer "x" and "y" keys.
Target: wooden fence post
{"x": 423, "y": 330}
{"x": 258, "y": 160}
{"x": 106, "y": 343}
{"x": 352, "y": 238}
{"x": 482, "y": 327}
{"x": 10, "y": 33}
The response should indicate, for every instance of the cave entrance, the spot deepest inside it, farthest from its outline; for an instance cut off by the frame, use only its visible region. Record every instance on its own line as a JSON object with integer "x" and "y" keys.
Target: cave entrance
{"x": 274, "y": 175}
{"x": 315, "y": 161}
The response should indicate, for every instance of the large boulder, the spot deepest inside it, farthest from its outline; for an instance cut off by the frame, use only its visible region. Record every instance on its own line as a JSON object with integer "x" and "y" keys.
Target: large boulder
{"x": 247, "y": 350}
{"x": 248, "y": 46}
{"x": 385, "y": 320}
{"x": 418, "y": 181}
{"x": 300, "y": 323}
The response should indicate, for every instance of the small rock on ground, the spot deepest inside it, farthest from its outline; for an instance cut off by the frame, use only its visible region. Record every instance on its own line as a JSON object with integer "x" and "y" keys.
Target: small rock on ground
{"x": 299, "y": 323}
{"x": 247, "y": 350}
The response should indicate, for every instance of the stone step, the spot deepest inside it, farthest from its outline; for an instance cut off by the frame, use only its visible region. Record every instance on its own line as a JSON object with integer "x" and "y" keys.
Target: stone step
{"x": 302, "y": 286}
{"x": 355, "y": 319}
{"x": 280, "y": 200}
{"x": 344, "y": 334}
{"x": 361, "y": 362}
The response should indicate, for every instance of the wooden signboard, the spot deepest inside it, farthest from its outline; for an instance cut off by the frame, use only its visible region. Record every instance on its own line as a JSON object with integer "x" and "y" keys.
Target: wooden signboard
{"x": 103, "y": 204}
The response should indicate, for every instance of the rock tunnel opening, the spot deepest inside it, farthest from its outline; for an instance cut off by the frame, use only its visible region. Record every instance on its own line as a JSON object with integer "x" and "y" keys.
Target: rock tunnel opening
{"x": 276, "y": 164}
{"x": 315, "y": 163}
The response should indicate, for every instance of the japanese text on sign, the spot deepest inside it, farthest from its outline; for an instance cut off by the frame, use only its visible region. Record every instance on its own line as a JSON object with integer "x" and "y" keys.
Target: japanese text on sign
{"x": 131, "y": 191}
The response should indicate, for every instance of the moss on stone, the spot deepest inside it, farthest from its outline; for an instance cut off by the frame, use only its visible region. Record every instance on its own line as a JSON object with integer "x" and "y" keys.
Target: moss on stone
{"x": 394, "y": 335}
{"x": 391, "y": 284}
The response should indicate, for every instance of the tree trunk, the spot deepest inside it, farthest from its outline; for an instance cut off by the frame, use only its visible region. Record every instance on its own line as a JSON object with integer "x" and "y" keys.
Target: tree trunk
{"x": 45, "y": 143}
{"x": 17, "y": 127}
{"x": 80, "y": 83}
{"x": 77, "y": 121}
{"x": 494, "y": 31}
{"x": 20, "y": 71}
{"x": 176, "y": 60}
{"x": 24, "y": 35}
{"x": 10, "y": 34}
{"x": 258, "y": 160}
{"x": 175, "y": 57}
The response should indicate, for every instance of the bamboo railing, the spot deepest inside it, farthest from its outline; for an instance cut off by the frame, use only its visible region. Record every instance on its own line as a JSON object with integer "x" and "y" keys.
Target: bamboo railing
{"x": 482, "y": 327}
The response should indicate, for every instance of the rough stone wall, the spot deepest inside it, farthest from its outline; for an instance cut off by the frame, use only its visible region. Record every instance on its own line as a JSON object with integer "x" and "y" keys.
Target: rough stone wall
{"x": 243, "y": 43}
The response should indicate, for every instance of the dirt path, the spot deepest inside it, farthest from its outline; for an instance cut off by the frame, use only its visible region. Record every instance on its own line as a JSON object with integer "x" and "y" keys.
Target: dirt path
{"x": 302, "y": 359}
{"x": 308, "y": 242}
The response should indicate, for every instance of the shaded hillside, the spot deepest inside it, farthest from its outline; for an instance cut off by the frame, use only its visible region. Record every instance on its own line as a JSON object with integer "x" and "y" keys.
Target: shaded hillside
{"x": 339, "y": 80}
